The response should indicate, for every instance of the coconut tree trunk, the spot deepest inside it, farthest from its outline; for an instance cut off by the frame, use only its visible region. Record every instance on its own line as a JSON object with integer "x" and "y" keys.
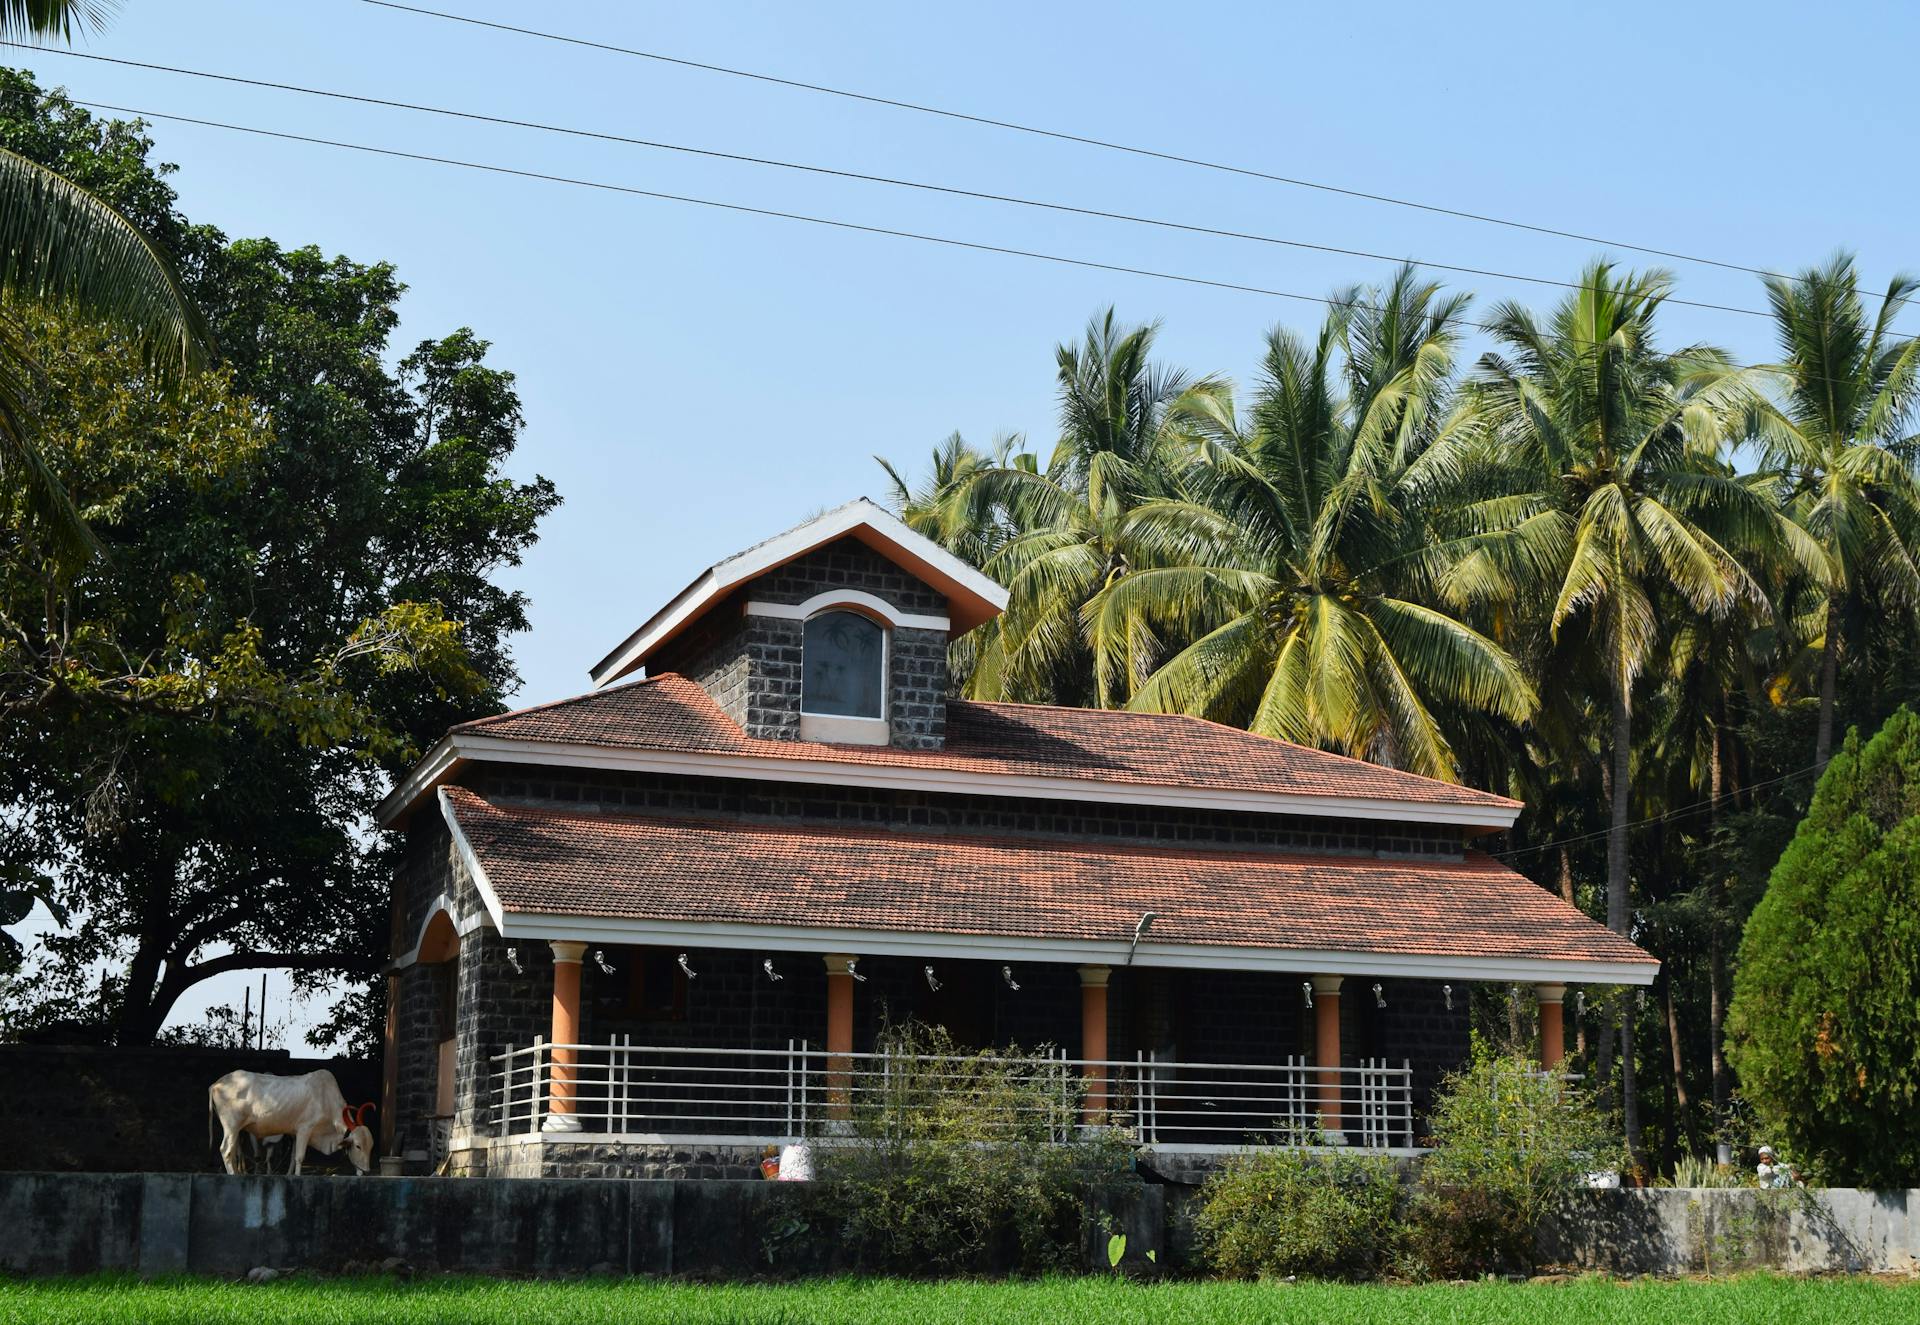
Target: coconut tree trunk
{"x": 1621, "y": 795}
{"x": 1618, "y": 916}
{"x": 1829, "y": 680}
{"x": 1717, "y": 1018}
{"x": 1682, "y": 1117}
{"x": 1716, "y": 947}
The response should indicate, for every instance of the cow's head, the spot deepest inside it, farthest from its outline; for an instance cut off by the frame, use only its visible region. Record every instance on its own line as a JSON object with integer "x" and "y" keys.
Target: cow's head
{"x": 358, "y": 1140}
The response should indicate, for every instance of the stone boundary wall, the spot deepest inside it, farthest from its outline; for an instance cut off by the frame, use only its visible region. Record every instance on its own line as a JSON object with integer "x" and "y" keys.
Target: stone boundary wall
{"x": 217, "y": 1225}
{"x": 101, "y": 1109}
{"x": 153, "y": 1224}
{"x": 1675, "y": 1230}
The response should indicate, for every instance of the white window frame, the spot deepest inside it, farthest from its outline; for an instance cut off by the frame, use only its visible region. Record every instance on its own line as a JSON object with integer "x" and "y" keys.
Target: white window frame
{"x": 844, "y": 728}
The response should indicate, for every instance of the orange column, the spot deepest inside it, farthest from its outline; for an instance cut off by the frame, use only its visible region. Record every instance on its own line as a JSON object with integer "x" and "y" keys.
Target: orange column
{"x": 1326, "y": 1055}
{"x": 1553, "y": 1035}
{"x": 561, "y": 1072}
{"x": 1093, "y": 1040}
{"x": 839, "y": 1033}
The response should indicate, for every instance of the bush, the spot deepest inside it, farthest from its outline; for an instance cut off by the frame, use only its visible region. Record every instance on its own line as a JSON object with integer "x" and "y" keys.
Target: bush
{"x": 1824, "y": 1026}
{"x": 962, "y": 1163}
{"x": 1287, "y": 1212}
{"x": 1511, "y": 1143}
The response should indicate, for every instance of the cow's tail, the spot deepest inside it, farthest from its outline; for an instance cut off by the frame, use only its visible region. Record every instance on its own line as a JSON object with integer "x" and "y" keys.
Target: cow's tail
{"x": 213, "y": 1124}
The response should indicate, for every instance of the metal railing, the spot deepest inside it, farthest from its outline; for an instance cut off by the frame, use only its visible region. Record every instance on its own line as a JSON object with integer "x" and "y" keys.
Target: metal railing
{"x": 804, "y": 1091}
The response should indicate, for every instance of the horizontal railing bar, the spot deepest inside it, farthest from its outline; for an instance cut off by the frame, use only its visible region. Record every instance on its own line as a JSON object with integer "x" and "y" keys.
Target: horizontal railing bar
{"x": 813, "y": 1055}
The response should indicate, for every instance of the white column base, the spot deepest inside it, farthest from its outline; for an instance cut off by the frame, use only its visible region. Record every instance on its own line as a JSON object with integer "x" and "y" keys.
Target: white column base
{"x": 1333, "y": 1138}
{"x": 560, "y": 1122}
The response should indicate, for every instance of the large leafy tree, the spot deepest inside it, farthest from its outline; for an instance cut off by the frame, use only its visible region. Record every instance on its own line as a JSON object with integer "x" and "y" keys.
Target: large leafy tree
{"x": 1305, "y": 576}
{"x": 1842, "y": 453}
{"x": 334, "y": 574}
{"x": 1612, "y": 502}
{"x": 1824, "y": 1027}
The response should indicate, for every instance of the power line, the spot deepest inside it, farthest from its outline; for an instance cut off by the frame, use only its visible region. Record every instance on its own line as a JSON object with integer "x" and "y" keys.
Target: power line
{"x": 1682, "y": 812}
{"x": 1084, "y": 140}
{"x": 779, "y": 214}
{"x": 921, "y": 185}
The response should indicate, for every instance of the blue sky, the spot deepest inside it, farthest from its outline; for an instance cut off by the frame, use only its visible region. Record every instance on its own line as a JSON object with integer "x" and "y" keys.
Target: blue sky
{"x": 695, "y": 380}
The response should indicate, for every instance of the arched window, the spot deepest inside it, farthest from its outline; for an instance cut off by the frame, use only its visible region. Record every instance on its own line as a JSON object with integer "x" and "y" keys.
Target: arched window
{"x": 845, "y": 672}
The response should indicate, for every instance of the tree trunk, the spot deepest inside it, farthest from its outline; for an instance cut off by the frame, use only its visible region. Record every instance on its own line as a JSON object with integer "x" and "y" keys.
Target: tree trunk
{"x": 1716, "y": 1018}
{"x": 1716, "y": 950}
{"x": 1621, "y": 795}
{"x": 1618, "y": 912}
{"x": 1829, "y": 679}
{"x": 1680, "y": 1111}
{"x": 1566, "y": 875}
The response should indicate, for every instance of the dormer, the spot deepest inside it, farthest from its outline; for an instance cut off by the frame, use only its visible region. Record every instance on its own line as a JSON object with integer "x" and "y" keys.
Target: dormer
{"x": 835, "y": 631}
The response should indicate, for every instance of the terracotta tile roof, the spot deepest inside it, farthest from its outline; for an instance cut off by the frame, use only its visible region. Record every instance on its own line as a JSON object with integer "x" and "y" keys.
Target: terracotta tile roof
{"x": 670, "y": 712}
{"x": 581, "y": 863}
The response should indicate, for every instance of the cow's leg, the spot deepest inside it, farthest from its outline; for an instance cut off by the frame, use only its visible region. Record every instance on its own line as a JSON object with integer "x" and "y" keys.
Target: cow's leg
{"x": 299, "y": 1148}
{"x": 230, "y": 1147}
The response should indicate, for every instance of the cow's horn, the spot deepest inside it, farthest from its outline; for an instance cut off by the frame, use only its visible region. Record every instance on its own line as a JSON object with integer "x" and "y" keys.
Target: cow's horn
{"x": 347, "y": 1114}
{"x": 360, "y": 1114}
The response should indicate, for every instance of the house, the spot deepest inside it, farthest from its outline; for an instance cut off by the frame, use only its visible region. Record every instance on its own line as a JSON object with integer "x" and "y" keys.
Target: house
{"x": 654, "y": 927}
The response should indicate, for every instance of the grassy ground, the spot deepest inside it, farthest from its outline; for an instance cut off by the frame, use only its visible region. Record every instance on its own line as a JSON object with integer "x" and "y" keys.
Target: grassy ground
{"x": 1752, "y": 1300}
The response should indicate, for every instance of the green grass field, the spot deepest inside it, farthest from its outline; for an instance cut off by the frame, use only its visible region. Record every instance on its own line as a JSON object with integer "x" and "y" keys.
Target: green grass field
{"x": 1752, "y": 1300}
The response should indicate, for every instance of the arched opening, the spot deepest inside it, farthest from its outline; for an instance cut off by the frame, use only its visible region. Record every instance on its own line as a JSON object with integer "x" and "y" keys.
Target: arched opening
{"x": 440, "y": 941}
{"x": 844, "y": 673}
{"x": 440, "y": 956}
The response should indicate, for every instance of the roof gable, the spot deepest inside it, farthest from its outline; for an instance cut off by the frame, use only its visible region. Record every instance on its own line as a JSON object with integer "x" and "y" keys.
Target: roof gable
{"x": 972, "y": 597}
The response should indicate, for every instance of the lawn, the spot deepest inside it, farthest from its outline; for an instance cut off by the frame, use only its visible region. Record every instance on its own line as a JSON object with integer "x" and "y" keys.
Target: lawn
{"x": 1752, "y": 1300}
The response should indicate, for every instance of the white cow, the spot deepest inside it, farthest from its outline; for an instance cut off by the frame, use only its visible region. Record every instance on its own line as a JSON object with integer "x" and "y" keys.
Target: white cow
{"x": 310, "y": 1109}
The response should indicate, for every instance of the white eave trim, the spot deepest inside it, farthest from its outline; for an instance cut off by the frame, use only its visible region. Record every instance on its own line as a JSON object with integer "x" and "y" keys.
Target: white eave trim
{"x": 779, "y": 550}
{"x": 461, "y": 746}
{"x": 475, "y": 870}
{"x": 1114, "y": 952}
{"x": 860, "y": 598}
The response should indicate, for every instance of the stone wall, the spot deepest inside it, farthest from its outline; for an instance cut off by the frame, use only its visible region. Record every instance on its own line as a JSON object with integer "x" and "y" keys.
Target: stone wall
{"x": 751, "y": 665}
{"x": 555, "y": 1227}
{"x": 86, "y": 1108}
{"x": 217, "y": 1225}
{"x": 896, "y": 810}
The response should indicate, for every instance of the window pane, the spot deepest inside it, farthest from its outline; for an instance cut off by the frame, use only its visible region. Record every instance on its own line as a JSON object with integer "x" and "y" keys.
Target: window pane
{"x": 843, "y": 666}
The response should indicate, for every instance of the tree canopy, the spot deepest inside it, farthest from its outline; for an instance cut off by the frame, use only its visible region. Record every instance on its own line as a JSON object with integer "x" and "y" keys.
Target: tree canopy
{"x": 1824, "y": 1028}
{"x": 295, "y": 594}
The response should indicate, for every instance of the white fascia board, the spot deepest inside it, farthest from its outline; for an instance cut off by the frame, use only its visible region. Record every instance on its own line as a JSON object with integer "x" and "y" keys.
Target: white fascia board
{"x": 668, "y": 619}
{"x": 473, "y": 745}
{"x": 999, "y": 948}
{"x": 873, "y": 603}
{"x": 779, "y": 550}
{"x": 475, "y": 870}
{"x": 439, "y": 764}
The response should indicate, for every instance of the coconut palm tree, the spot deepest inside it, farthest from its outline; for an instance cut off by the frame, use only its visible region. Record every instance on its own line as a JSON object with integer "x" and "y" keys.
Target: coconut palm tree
{"x": 1841, "y": 452}
{"x": 61, "y": 244}
{"x": 1304, "y": 577}
{"x": 1127, "y": 429}
{"x": 1609, "y": 494}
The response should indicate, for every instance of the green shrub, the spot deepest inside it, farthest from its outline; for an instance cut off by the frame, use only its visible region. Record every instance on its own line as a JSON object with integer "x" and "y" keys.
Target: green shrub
{"x": 1824, "y": 1026}
{"x": 1511, "y": 1143}
{"x": 967, "y": 1162}
{"x": 1327, "y": 1215}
